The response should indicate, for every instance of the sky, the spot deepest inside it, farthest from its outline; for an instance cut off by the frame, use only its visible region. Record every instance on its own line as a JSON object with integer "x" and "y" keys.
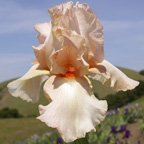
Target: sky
{"x": 123, "y": 22}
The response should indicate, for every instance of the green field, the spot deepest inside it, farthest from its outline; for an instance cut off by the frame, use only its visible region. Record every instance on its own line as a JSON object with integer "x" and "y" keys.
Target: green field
{"x": 12, "y": 130}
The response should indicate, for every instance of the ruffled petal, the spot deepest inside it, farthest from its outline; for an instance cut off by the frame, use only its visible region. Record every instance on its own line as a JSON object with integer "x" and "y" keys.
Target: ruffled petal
{"x": 59, "y": 10}
{"x": 44, "y": 30}
{"x": 91, "y": 29}
{"x": 80, "y": 19}
{"x": 28, "y": 86}
{"x": 70, "y": 56}
{"x": 113, "y": 77}
{"x": 40, "y": 53}
{"x": 96, "y": 42}
{"x": 74, "y": 110}
{"x": 47, "y": 47}
{"x": 67, "y": 60}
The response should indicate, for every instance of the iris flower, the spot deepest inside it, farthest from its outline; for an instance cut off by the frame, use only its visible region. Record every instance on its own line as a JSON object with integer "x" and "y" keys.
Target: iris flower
{"x": 70, "y": 51}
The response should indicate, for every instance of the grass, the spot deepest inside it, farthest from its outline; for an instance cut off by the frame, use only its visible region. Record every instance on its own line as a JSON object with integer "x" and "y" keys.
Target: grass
{"x": 12, "y": 130}
{"x": 24, "y": 108}
{"x": 133, "y": 74}
{"x": 139, "y": 101}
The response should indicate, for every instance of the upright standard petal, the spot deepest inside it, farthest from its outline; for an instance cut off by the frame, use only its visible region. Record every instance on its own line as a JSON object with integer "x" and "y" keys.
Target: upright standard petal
{"x": 112, "y": 76}
{"x": 80, "y": 19}
{"x": 28, "y": 86}
{"x": 46, "y": 47}
{"x": 40, "y": 53}
{"x": 70, "y": 57}
{"x": 91, "y": 29}
{"x": 44, "y": 30}
{"x": 74, "y": 110}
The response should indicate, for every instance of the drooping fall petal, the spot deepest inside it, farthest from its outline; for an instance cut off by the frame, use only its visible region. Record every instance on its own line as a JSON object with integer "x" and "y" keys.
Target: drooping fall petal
{"x": 113, "y": 77}
{"x": 74, "y": 110}
{"x": 28, "y": 86}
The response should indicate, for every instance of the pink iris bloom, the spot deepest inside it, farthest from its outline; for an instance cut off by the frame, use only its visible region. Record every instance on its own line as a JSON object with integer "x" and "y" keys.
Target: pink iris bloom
{"x": 70, "y": 52}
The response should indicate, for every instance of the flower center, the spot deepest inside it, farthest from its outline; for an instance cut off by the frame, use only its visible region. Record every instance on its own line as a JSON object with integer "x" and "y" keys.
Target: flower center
{"x": 69, "y": 75}
{"x": 71, "y": 69}
{"x": 71, "y": 72}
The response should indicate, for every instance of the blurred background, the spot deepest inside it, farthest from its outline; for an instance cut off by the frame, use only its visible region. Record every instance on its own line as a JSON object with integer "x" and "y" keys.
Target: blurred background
{"x": 123, "y": 23}
{"x": 123, "y": 30}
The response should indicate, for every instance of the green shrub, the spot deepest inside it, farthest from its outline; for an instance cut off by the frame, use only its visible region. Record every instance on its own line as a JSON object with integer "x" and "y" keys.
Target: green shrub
{"x": 9, "y": 113}
{"x": 142, "y": 72}
{"x": 133, "y": 114}
{"x": 122, "y": 98}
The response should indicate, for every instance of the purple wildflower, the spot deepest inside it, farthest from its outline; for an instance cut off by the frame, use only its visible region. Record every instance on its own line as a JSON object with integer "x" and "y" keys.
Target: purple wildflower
{"x": 126, "y": 110}
{"x": 59, "y": 140}
{"x": 114, "y": 129}
{"x": 127, "y": 134}
{"x": 122, "y": 128}
{"x": 110, "y": 113}
{"x": 116, "y": 109}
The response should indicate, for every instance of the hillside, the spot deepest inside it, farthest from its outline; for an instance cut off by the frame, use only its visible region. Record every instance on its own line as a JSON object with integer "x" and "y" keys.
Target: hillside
{"x": 19, "y": 129}
{"x": 30, "y": 109}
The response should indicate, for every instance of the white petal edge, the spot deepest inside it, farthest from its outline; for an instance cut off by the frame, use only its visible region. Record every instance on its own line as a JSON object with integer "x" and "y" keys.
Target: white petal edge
{"x": 73, "y": 111}
{"x": 27, "y": 87}
{"x": 113, "y": 77}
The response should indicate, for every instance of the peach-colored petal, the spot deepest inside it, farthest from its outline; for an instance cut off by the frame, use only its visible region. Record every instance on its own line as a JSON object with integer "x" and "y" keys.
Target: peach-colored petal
{"x": 80, "y": 19}
{"x": 91, "y": 29}
{"x": 59, "y": 10}
{"x": 46, "y": 48}
{"x": 69, "y": 57}
{"x": 28, "y": 86}
{"x": 114, "y": 78}
{"x": 58, "y": 61}
{"x": 44, "y": 30}
{"x": 72, "y": 37}
{"x": 96, "y": 42}
{"x": 66, "y": 60}
{"x": 74, "y": 110}
{"x": 63, "y": 63}
{"x": 40, "y": 53}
